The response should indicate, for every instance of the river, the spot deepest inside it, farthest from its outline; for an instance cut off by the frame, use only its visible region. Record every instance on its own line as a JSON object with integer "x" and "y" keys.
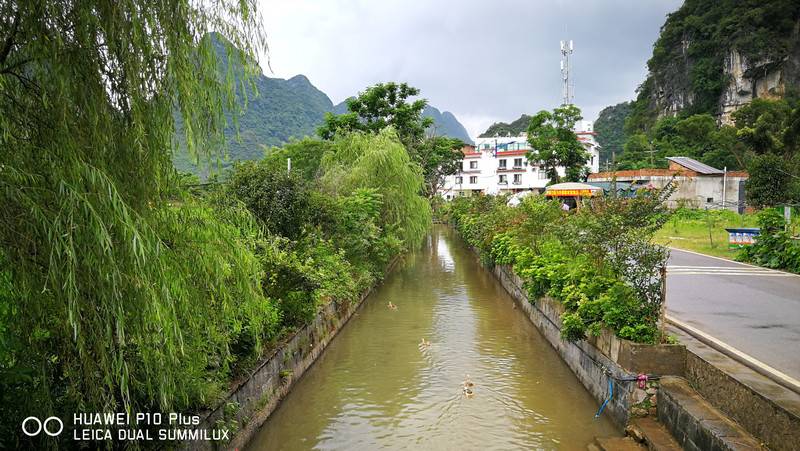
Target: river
{"x": 375, "y": 387}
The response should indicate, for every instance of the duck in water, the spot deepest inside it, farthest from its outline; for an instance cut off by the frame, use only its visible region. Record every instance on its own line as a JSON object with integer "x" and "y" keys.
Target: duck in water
{"x": 424, "y": 345}
{"x": 391, "y": 306}
{"x": 467, "y": 387}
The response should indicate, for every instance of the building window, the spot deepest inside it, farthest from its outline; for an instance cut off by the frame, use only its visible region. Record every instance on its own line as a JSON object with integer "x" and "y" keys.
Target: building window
{"x": 459, "y": 180}
{"x": 542, "y": 174}
{"x": 517, "y": 162}
{"x": 473, "y": 165}
{"x": 710, "y": 200}
{"x": 503, "y": 164}
{"x": 503, "y": 179}
{"x": 518, "y": 179}
{"x": 473, "y": 179}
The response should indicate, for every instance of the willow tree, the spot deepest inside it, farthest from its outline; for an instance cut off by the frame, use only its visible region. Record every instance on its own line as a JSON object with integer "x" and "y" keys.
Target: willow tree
{"x": 110, "y": 296}
{"x": 381, "y": 162}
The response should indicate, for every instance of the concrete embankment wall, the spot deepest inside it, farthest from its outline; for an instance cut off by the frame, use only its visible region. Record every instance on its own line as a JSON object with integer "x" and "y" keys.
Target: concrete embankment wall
{"x": 755, "y": 413}
{"x": 250, "y": 402}
{"x": 775, "y": 425}
{"x": 587, "y": 361}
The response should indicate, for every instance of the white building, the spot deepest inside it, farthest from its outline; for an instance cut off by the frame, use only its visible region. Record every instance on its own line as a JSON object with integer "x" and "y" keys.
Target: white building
{"x": 499, "y": 165}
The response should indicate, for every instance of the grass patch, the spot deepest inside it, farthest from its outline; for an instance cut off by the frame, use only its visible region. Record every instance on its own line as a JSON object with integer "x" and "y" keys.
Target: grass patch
{"x": 703, "y": 231}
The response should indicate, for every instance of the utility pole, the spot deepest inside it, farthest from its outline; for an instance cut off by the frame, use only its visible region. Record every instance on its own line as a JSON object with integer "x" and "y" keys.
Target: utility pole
{"x": 652, "y": 152}
{"x": 724, "y": 185}
{"x": 613, "y": 186}
{"x": 568, "y": 89}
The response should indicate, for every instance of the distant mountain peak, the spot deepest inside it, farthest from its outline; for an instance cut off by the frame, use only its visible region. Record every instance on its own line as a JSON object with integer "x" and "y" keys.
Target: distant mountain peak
{"x": 300, "y": 78}
{"x": 514, "y": 128}
{"x": 286, "y": 109}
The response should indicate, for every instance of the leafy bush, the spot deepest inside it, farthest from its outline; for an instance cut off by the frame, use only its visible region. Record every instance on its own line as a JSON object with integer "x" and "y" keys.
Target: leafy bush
{"x": 277, "y": 198}
{"x": 774, "y": 247}
{"x": 598, "y": 262}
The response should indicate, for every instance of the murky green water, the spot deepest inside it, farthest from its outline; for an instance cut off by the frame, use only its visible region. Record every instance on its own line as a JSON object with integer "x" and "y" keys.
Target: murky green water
{"x": 374, "y": 388}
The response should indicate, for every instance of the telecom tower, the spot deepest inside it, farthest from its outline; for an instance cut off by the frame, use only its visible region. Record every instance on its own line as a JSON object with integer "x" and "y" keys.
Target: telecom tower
{"x": 568, "y": 89}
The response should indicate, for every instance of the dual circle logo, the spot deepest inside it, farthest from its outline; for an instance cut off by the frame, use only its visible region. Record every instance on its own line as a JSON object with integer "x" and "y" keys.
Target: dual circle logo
{"x": 33, "y": 426}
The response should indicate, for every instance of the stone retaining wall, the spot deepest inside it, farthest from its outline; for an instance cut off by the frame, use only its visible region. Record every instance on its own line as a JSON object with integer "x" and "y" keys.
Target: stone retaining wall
{"x": 764, "y": 418}
{"x": 250, "y": 402}
{"x": 591, "y": 360}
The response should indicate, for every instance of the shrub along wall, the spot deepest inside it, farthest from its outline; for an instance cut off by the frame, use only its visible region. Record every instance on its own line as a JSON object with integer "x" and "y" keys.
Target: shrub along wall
{"x": 213, "y": 279}
{"x": 599, "y": 262}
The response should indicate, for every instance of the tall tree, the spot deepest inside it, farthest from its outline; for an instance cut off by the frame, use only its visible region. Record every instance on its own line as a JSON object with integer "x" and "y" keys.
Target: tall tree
{"x": 102, "y": 303}
{"x": 376, "y": 108}
{"x": 388, "y": 104}
{"x": 554, "y": 142}
{"x": 439, "y": 156}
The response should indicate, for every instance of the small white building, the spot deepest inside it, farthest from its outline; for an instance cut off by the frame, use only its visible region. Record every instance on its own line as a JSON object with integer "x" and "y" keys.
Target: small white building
{"x": 697, "y": 185}
{"x": 499, "y": 165}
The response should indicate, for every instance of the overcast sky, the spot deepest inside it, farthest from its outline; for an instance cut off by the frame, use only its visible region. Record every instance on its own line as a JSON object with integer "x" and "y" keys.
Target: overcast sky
{"x": 485, "y": 61}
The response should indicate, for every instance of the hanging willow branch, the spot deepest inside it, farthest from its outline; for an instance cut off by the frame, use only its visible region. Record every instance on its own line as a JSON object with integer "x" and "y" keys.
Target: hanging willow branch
{"x": 110, "y": 285}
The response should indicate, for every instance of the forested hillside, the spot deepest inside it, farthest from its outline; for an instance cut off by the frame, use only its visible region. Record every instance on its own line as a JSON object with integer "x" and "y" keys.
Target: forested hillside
{"x": 286, "y": 109}
{"x": 504, "y": 129}
{"x": 722, "y": 88}
{"x": 713, "y": 56}
{"x": 610, "y": 129}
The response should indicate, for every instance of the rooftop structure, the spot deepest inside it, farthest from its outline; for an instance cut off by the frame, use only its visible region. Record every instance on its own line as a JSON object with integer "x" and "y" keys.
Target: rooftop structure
{"x": 676, "y": 163}
{"x": 500, "y": 165}
{"x": 698, "y": 185}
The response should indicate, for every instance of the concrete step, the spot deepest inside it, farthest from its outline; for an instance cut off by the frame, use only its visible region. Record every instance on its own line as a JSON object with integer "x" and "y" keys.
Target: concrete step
{"x": 695, "y": 423}
{"x": 617, "y": 444}
{"x": 652, "y": 434}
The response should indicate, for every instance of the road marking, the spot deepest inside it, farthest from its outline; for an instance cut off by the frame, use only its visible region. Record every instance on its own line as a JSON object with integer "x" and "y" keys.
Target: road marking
{"x": 678, "y": 270}
{"x": 719, "y": 267}
{"x": 746, "y": 359}
{"x": 729, "y": 260}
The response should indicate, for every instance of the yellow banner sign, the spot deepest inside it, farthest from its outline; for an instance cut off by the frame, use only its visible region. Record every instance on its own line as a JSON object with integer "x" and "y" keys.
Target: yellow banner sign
{"x": 570, "y": 193}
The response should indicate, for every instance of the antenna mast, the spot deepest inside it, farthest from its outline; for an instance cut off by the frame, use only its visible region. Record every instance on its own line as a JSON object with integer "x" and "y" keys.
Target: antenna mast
{"x": 568, "y": 89}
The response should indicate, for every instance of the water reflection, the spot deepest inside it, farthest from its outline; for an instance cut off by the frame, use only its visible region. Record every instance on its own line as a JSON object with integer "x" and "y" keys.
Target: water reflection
{"x": 376, "y": 388}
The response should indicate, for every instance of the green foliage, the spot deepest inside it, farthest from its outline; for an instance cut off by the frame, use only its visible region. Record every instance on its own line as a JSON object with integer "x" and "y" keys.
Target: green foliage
{"x": 384, "y": 105}
{"x": 771, "y": 182}
{"x": 380, "y": 162}
{"x": 599, "y": 262}
{"x": 774, "y": 247}
{"x": 555, "y": 143}
{"x": 378, "y": 107}
{"x": 438, "y": 157}
{"x": 111, "y": 299}
{"x": 696, "y": 136}
{"x": 769, "y": 126}
{"x": 689, "y": 55}
{"x": 514, "y": 128}
{"x": 305, "y": 155}
{"x": 610, "y": 129}
{"x": 277, "y": 198}
{"x": 304, "y": 275}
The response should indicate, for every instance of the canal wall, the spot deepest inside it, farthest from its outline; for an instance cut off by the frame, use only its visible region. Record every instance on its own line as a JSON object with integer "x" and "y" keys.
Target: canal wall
{"x": 601, "y": 363}
{"x": 251, "y": 400}
{"x": 699, "y": 413}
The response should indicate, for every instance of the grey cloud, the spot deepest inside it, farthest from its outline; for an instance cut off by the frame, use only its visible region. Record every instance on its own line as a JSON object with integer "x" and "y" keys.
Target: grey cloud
{"x": 483, "y": 61}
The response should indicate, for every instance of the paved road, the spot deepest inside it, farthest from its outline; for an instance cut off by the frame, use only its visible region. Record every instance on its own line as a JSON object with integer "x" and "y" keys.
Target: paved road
{"x": 755, "y": 310}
